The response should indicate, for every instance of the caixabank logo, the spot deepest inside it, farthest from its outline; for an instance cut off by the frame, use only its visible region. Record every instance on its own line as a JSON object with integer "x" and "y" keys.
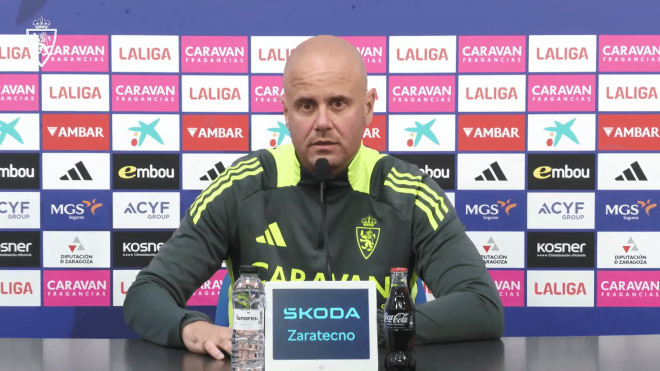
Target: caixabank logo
{"x": 629, "y": 250}
{"x": 19, "y": 132}
{"x": 20, "y": 249}
{"x": 141, "y": 171}
{"x": 142, "y": 210}
{"x": 20, "y": 288}
{"x": 78, "y": 132}
{"x": 500, "y": 249}
{"x": 635, "y": 132}
{"x": 560, "y": 210}
{"x": 628, "y": 211}
{"x": 560, "y": 250}
{"x": 441, "y": 168}
{"x": 422, "y": 133}
{"x": 145, "y": 132}
{"x": 268, "y": 131}
{"x": 20, "y": 210}
{"x": 628, "y": 289}
{"x": 76, "y": 249}
{"x": 136, "y": 249}
{"x": 20, "y": 171}
{"x": 491, "y": 132}
{"x": 492, "y": 211}
{"x": 561, "y": 133}
{"x": 548, "y": 172}
{"x": 81, "y": 210}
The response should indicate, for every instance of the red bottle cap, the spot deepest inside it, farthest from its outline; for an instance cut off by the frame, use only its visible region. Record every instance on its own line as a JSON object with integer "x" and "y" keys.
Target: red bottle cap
{"x": 399, "y": 270}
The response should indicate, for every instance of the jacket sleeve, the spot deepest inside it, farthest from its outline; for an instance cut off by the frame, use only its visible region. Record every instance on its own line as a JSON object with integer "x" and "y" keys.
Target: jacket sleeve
{"x": 467, "y": 305}
{"x": 155, "y": 304}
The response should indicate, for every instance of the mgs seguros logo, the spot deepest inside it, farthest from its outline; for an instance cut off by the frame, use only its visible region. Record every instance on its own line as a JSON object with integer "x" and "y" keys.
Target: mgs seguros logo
{"x": 216, "y": 133}
{"x": 441, "y": 168}
{"x": 628, "y": 211}
{"x": 145, "y": 53}
{"x": 215, "y": 54}
{"x": 80, "y": 210}
{"x": 19, "y": 132}
{"x": 560, "y": 288}
{"x": 558, "y": 133}
{"x": 492, "y": 211}
{"x": 574, "y": 171}
{"x": 628, "y": 92}
{"x": 20, "y": 210}
{"x": 492, "y": 53}
{"x": 75, "y": 92}
{"x": 497, "y": 93}
{"x": 146, "y": 210}
{"x": 500, "y": 249}
{"x": 20, "y": 171}
{"x": 20, "y": 249}
{"x": 628, "y": 250}
{"x": 136, "y": 249}
{"x": 491, "y": 132}
{"x": 141, "y": 171}
{"x": 78, "y": 132}
{"x": 145, "y": 93}
{"x": 560, "y": 250}
{"x": 562, "y": 53}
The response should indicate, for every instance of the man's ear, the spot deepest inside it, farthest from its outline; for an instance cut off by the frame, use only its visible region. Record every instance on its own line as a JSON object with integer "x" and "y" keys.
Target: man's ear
{"x": 285, "y": 111}
{"x": 370, "y": 102}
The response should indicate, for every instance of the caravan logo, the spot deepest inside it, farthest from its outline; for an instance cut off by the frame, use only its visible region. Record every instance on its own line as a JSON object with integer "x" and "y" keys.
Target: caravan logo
{"x": 266, "y": 92}
{"x": 79, "y": 53}
{"x": 510, "y": 285}
{"x": 209, "y": 292}
{"x": 492, "y": 53}
{"x": 562, "y": 93}
{"x": 373, "y": 50}
{"x": 145, "y": 93}
{"x": 422, "y": 93}
{"x": 628, "y": 289}
{"x": 630, "y": 53}
{"x": 214, "y": 54}
{"x": 76, "y": 288}
{"x": 19, "y": 92}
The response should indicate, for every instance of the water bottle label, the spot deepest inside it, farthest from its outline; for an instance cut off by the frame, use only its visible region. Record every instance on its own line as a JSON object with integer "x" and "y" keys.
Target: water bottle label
{"x": 248, "y": 319}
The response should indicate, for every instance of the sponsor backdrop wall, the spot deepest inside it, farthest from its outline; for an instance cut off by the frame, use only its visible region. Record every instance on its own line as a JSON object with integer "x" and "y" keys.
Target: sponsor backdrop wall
{"x": 540, "y": 121}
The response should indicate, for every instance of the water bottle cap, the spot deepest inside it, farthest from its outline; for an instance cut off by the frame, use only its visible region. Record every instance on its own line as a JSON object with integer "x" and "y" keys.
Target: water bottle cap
{"x": 399, "y": 270}
{"x": 248, "y": 269}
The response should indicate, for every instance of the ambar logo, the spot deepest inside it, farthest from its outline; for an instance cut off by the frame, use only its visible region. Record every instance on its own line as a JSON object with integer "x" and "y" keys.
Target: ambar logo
{"x": 146, "y": 171}
{"x": 215, "y": 133}
{"x": 491, "y": 132}
{"x": 628, "y": 132}
{"x": 575, "y": 171}
{"x": 78, "y": 132}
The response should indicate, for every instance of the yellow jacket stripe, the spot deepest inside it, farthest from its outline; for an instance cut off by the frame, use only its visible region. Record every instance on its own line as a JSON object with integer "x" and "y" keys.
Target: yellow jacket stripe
{"x": 226, "y": 185}
{"x": 419, "y": 204}
{"x": 418, "y": 193}
{"x": 243, "y": 165}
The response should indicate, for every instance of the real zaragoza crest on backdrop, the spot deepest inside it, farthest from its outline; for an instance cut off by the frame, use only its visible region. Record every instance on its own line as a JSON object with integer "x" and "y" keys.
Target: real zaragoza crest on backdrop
{"x": 42, "y": 38}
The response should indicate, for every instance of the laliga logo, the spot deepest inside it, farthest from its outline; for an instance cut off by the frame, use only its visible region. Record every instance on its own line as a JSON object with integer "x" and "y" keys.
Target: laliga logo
{"x": 42, "y": 38}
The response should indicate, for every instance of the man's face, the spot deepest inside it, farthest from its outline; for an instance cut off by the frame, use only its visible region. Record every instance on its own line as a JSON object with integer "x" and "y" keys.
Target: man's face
{"x": 326, "y": 109}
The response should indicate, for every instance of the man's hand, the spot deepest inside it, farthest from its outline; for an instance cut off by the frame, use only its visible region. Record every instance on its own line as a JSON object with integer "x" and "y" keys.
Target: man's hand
{"x": 202, "y": 337}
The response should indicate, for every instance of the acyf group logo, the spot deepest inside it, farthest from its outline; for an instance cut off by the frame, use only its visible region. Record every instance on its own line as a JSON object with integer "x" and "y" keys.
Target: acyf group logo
{"x": 141, "y": 210}
{"x": 560, "y": 210}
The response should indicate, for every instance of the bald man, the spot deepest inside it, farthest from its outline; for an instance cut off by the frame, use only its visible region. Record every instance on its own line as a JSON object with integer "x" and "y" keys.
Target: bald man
{"x": 265, "y": 211}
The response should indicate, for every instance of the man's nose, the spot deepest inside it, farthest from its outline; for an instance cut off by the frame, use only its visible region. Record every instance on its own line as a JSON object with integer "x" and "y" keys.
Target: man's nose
{"x": 323, "y": 119}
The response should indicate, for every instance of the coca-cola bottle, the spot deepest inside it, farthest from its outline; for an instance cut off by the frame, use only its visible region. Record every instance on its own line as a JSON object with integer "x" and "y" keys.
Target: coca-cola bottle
{"x": 399, "y": 324}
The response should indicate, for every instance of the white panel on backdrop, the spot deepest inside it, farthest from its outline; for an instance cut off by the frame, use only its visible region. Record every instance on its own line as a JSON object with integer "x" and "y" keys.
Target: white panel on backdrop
{"x": 496, "y": 171}
{"x": 20, "y": 210}
{"x": 561, "y": 132}
{"x": 18, "y": 54}
{"x": 380, "y": 84}
{"x": 89, "y": 92}
{"x": 20, "y": 288}
{"x": 561, "y": 210}
{"x": 628, "y": 171}
{"x": 76, "y": 249}
{"x": 452, "y": 198}
{"x": 628, "y": 250}
{"x": 268, "y": 131}
{"x": 560, "y": 288}
{"x": 145, "y": 132}
{"x": 422, "y": 54}
{"x": 495, "y": 93}
{"x": 268, "y": 54}
{"x": 146, "y": 210}
{"x": 199, "y": 170}
{"x": 121, "y": 281}
{"x": 500, "y": 249}
{"x": 25, "y": 135}
{"x": 215, "y": 93}
{"x": 562, "y": 53}
{"x": 145, "y": 53}
{"x": 422, "y": 133}
{"x": 76, "y": 170}
{"x": 625, "y": 93}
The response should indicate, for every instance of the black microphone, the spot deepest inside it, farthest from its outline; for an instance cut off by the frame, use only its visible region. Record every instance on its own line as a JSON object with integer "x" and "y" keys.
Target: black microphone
{"x": 322, "y": 174}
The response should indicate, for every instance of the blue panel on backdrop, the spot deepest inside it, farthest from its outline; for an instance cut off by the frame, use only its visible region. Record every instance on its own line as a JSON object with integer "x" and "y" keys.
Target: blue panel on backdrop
{"x": 628, "y": 211}
{"x": 187, "y": 199}
{"x": 492, "y": 211}
{"x": 76, "y": 210}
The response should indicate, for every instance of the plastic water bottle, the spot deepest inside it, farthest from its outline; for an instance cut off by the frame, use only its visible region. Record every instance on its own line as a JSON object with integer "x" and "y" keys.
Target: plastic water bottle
{"x": 247, "y": 340}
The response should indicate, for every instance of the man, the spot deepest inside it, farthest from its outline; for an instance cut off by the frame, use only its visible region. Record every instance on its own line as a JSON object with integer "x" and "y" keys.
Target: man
{"x": 265, "y": 211}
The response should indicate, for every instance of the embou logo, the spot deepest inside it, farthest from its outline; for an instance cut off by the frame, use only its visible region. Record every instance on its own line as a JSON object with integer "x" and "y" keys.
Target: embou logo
{"x": 320, "y": 313}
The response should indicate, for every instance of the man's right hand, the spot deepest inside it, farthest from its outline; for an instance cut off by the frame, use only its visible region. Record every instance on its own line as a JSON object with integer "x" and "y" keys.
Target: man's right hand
{"x": 202, "y": 337}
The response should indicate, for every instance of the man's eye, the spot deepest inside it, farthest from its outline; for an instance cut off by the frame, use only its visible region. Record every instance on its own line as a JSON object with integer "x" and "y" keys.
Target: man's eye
{"x": 306, "y": 105}
{"x": 339, "y": 103}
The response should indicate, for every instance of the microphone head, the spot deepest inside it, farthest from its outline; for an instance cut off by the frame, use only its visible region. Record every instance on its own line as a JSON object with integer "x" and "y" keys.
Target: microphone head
{"x": 322, "y": 169}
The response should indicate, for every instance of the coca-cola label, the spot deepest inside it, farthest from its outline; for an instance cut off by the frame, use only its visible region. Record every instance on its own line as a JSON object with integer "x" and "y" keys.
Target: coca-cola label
{"x": 249, "y": 319}
{"x": 399, "y": 320}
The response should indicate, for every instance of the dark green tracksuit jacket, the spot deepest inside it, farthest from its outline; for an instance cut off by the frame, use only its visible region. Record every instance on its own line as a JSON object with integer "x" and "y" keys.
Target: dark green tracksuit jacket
{"x": 265, "y": 211}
